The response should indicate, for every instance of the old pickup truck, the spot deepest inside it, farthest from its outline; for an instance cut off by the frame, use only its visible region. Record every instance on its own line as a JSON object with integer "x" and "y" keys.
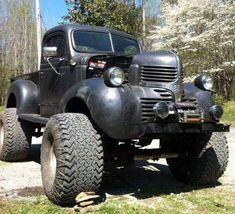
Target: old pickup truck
{"x": 98, "y": 99}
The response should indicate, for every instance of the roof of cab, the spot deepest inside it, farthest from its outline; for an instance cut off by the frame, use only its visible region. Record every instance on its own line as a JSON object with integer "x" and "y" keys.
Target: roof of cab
{"x": 67, "y": 28}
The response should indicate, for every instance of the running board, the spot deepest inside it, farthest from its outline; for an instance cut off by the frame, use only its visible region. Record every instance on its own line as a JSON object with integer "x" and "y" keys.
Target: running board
{"x": 35, "y": 118}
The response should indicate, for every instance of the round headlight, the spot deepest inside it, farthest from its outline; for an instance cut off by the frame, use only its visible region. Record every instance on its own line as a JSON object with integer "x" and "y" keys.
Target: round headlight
{"x": 114, "y": 76}
{"x": 204, "y": 82}
{"x": 161, "y": 110}
{"x": 216, "y": 111}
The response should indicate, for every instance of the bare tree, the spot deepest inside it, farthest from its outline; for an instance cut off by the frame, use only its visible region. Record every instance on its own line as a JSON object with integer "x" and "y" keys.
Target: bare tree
{"x": 17, "y": 40}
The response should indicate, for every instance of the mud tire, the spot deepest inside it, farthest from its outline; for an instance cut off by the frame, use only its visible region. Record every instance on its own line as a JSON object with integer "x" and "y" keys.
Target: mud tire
{"x": 206, "y": 163}
{"x": 71, "y": 158}
{"x": 15, "y": 137}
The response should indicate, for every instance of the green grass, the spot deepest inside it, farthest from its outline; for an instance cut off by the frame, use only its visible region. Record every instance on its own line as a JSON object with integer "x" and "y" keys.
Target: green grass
{"x": 229, "y": 112}
{"x": 210, "y": 200}
{"x": 41, "y": 205}
{"x": 1, "y": 108}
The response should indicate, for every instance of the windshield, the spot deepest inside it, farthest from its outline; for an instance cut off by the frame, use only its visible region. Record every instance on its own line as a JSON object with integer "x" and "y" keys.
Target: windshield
{"x": 124, "y": 45}
{"x": 87, "y": 41}
{"x": 93, "y": 42}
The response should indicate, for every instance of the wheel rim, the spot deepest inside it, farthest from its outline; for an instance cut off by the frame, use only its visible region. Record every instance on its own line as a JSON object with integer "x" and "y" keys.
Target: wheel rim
{"x": 52, "y": 161}
{"x": 1, "y": 135}
{"x": 50, "y": 168}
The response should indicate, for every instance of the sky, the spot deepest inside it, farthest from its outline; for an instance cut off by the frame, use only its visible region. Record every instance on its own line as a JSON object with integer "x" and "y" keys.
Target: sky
{"x": 52, "y": 11}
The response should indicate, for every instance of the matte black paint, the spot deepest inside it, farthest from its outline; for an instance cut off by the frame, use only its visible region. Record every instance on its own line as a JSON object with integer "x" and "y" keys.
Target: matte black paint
{"x": 117, "y": 111}
{"x": 204, "y": 98}
{"x": 163, "y": 59}
{"x": 26, "y": 94}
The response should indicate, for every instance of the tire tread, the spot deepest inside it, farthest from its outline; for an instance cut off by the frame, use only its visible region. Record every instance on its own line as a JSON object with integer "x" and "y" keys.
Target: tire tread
{"x": 17, "y": 137}
{"x": 79, "y": 155}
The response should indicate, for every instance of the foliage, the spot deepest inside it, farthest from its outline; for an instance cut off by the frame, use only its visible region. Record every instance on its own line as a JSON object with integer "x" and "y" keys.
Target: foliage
{"x": 202, "y": 32}
{"x": 120, "y": 15}
{"x": 17, "y": 40}
{"x": 229, "y": 112}
{"x": 151, "y": 10}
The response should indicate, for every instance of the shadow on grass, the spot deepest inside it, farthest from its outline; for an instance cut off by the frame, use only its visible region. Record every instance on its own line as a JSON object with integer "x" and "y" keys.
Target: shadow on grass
{"x": 145, "y": 180}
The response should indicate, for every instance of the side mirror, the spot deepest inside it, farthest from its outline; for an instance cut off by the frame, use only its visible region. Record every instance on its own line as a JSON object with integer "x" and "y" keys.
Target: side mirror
{"x": 49, "y": 52}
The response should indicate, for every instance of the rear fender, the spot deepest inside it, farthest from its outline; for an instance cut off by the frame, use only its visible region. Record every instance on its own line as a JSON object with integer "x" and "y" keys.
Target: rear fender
{"x": 23, "y": 95}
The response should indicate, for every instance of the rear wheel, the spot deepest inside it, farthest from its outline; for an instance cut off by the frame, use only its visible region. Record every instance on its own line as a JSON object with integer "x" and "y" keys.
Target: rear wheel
{"x": 206, "y": 161}
{"x": 71, "y": 158}
{"x": 15, "y": 137}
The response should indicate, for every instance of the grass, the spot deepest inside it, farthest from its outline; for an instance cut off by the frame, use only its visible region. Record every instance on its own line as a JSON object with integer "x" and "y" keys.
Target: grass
{"x": 40, "y": 205}
{"x": 210, "y": 200}
{"x": 1, "y": 108}
{"x": 229, "y": 112}
{"x": 198, "y": 201}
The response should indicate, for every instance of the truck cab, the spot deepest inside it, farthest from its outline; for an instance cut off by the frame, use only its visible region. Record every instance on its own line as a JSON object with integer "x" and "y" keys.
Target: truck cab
{"x": 74, "y": 45}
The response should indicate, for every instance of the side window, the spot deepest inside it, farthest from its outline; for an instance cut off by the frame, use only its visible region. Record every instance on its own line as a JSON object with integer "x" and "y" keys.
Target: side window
{"x": 59, "y": 42}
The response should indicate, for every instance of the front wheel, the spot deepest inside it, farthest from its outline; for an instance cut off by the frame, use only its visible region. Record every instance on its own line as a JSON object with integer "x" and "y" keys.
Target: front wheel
{"x": 71, "y": 158}
{"x": 206, "y": 161}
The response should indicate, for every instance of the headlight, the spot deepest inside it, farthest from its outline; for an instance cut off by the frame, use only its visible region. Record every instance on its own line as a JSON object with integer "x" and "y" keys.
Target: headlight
{"x": 204, "y": 82}
{"x": 161, "y": 110}
{"x": 114, "y": 76}
{"x": 216, "y": 111}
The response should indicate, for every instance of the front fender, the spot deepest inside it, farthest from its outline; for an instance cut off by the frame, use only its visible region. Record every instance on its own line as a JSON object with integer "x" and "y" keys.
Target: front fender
{"x": 25, "y": 93}
{"x": 204, "y": 98}
{"x": 114, "y": 109}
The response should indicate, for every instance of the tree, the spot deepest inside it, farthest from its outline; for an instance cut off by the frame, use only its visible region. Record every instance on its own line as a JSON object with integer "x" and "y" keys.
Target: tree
{"x": 202, "y": 32}
{"x": 121, "y": 15}
{"x": 150, "y": 15}
{"x": 17, "y": 41}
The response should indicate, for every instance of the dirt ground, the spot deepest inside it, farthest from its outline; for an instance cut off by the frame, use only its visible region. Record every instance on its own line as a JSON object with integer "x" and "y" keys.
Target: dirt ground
{"x": 23, "y": 180}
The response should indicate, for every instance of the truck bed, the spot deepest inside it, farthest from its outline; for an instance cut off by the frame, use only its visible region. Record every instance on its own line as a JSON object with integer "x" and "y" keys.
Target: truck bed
{"x": 34, "y": 76}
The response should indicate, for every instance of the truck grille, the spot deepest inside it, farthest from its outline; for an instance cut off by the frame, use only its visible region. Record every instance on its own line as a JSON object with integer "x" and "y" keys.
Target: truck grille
{"x": 158, "y": 74}
{"x": 147, "y": 104}
{"x": 189, "y": 100}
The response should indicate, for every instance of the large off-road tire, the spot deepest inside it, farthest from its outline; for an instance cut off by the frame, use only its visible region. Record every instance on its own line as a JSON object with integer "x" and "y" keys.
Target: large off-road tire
{"x": 71, "y": 158}
{"x": 15, "y": 137}
{"x": 206, "y": 162}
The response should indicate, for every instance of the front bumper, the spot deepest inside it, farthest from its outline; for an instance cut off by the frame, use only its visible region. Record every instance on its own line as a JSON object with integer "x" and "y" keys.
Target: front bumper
{"x": 156, "y": 129}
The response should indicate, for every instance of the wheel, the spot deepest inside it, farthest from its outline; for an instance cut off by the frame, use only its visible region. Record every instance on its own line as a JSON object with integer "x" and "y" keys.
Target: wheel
{"x": 71, "y": 158}
{"x": 206, "y": 162}
{"x": 15, "y": 137}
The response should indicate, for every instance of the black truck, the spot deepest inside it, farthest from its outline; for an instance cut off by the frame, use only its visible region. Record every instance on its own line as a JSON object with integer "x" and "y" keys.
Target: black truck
{"x": 98, "y": 100}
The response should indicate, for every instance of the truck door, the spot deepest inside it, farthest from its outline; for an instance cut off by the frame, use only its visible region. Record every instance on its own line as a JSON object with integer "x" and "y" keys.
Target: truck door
{"x": 53, "y": 85}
